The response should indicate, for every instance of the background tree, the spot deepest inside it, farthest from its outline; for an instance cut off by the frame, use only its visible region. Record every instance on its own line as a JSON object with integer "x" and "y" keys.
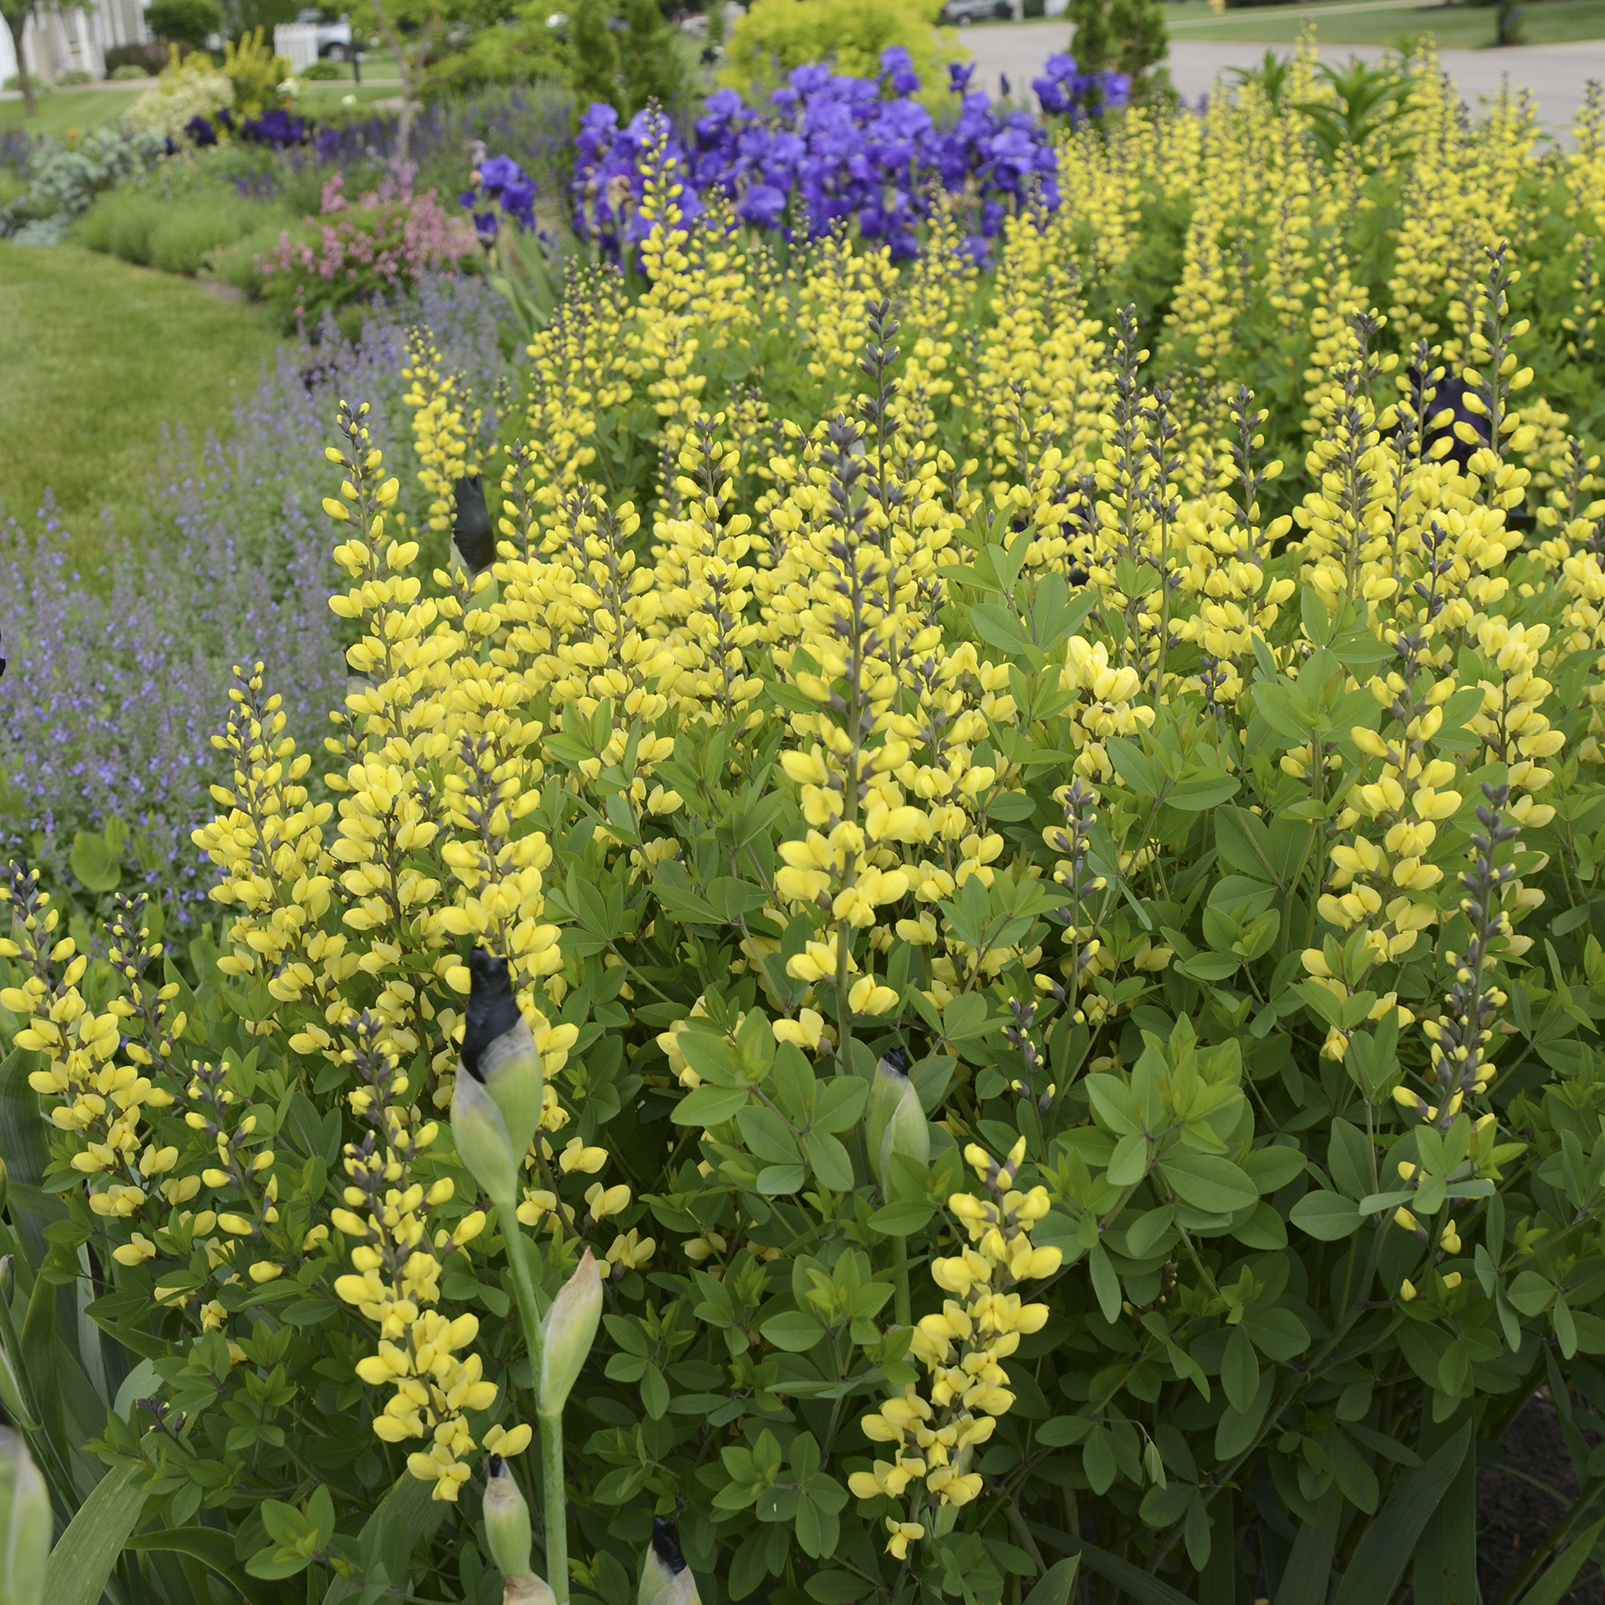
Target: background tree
{"x": 1126, "y": 36}
{"x": 593, "y": 55}
{"x": 654, "y": 68}
{"x": 411, "y": 29}
{"x": 17, "y": 13}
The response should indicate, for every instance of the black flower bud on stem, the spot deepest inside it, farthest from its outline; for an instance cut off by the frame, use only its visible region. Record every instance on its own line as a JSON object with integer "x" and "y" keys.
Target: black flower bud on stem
{"x": 471, "y": 532}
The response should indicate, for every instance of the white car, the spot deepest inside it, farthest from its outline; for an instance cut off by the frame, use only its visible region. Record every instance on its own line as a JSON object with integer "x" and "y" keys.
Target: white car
{"x": 334, "y": 38}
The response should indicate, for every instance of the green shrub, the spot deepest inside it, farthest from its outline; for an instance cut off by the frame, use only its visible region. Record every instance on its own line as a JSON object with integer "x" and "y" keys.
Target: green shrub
{"x": 128, "y": 72}
{"x": 236, "y": 264}
{"x": 175, "y": 233}
{"x": 190, "y": 22}
{"x": 326, "y": 72}
{"x": 189, "y": 232}
{"x": 121, "y": 223}
{"x": 73, "y": 78}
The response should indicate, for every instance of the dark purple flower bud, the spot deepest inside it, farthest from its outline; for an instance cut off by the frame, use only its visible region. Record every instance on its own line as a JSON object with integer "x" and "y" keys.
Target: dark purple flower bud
{"x": 471, "y": 531}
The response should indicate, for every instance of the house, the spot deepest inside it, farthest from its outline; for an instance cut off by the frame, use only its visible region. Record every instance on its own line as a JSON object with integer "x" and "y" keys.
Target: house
{"x": 76, "y": 38}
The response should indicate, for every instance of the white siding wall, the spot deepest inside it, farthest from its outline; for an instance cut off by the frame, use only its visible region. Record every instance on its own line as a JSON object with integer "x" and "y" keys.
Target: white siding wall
{"x": 59, "y": 41}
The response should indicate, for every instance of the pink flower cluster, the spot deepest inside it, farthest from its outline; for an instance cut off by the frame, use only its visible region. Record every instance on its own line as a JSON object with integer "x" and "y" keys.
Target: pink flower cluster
{"x": 380, "y": 242}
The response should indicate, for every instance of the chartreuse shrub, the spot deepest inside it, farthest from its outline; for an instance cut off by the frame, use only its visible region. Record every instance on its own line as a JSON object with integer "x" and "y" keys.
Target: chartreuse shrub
{"x": 1052, "y": 995}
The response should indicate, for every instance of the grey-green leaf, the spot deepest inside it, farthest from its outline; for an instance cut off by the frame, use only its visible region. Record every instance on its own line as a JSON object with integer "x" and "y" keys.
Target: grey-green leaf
{"x": 87, "y": 1554}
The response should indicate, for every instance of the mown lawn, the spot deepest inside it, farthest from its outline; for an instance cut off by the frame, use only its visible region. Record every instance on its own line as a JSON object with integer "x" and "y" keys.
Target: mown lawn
{"x": 1355, "y": 22}
{"x": 97, "y": 356}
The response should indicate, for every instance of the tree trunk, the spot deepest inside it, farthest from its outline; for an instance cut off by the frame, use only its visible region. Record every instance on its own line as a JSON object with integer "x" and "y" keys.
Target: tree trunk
{"x": 409, "y": 79}
{"x": 16, "y": 22}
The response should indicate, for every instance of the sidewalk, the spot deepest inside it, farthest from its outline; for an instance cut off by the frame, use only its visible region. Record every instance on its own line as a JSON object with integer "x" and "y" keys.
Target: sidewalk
{"x": 1555, "y": 74}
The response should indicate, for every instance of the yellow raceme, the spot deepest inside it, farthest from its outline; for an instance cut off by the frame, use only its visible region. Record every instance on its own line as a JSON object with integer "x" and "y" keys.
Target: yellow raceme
{"x": 812, "y": 591}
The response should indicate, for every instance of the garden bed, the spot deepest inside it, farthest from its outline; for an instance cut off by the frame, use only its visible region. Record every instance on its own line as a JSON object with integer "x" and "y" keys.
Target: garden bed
{"x": 901, "y": 910}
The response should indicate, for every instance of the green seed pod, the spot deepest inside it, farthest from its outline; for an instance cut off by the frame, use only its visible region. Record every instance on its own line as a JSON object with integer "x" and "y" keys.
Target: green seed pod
{"x": 506, "y": 1520}
{"x": 568, "y": 1330}
{"x": 480, "y": 1133}
{"x": 25, "y": 1524}
{"x": 665, "y": 1577}
{"x": 498, "y": 1050}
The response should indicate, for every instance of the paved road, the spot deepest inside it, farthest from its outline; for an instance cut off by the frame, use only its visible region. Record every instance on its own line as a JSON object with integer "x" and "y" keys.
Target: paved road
{"x": 1555, "y": 74}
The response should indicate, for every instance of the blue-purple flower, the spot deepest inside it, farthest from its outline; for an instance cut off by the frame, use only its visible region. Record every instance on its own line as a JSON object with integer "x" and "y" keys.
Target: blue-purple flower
{"x": 831, "y": 148}
{"x": 510, "y": 191}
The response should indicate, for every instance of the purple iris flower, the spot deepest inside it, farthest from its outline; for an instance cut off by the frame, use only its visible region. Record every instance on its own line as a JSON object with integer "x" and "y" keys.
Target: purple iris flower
{"x": 763, "y": 204}
{"x": 830, "y": 148}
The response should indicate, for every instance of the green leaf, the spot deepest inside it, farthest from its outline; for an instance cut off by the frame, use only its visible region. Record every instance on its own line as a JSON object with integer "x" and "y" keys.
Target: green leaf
{"x": 1239, "y": 1370}
{"x": 205, "y": 1544}
{"x": 792, "y": 1330}
{"x": 829, "y": 1161}
{"x": 39, "y": 1368}
{"x": 776, "y": 1180}
{"x": 1105, "y": 1283}
{"x": 901, "y": 1220}
{"x": 1348, "y": 1158}
{"x": 1142, "y": 1587}
{"x": 1054, "y": 1585}
{"x": 1133, "y": 766}
{"x": 709, "y": 1106}
{"x": 1390, "y": 1540}
{"x": 270, "y": 1564}
{"x": 1327, "y": 1217}
{"x": 94, "y": 863}
{"x": 1201, "y": 789}
{"x": 1309, "y": 1567}
{"x": 1555, "y": 1584}
{"x": 1208, "y": 1182}
{"x": 406, "y": 1515}
{"x": 81, "y": 1563}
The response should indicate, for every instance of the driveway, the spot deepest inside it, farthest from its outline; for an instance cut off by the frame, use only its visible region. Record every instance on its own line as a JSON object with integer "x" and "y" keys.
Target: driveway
{"x": 1555, "y": 74}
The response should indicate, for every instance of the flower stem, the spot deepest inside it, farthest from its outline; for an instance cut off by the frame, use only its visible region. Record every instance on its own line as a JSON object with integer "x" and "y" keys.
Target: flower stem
{"x": 555, "y": 1499}
{"x": 904, "y": 1303}
{"x": 553, "y": 1495}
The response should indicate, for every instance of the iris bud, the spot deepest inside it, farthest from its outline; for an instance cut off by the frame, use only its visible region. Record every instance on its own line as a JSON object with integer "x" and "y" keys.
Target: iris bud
{"x": 527, "y": 1590}
{"x": 498, "y": 1050}
{"x": 665, "y": 1577}
{"x": 907, "y": 1133}
{"x": 885, "y": 1093}
{"x": 471, "y": 533}
{"x": 896, "y": 1123}
{"x": 480, "y": 1133}
{"x": 506, "y": 1520}
{"x": 25, "y": 1524}
{"x": 568, "y": 1329}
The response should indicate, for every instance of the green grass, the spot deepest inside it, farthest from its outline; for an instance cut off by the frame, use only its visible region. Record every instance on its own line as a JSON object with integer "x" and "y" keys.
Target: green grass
{"x": 64, "y": 109}
{"x": 97, "y": 356}
{"x": 1454, "y": 27}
